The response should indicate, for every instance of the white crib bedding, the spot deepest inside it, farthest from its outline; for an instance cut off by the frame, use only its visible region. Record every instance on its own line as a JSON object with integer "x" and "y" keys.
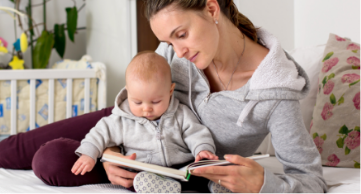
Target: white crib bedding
{"x": 41, "y": 96}
{"x": 339, "y": 180}
{"x": 41, "y": 118}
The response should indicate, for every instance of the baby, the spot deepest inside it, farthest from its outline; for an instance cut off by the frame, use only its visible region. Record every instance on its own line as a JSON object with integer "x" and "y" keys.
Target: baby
{"x": 147, "y": 120}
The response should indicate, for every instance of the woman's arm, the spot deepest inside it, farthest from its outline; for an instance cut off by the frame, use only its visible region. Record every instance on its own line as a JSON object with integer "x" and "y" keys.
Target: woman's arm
{"x": 294, "y": 149}
{"x": 117, "y": 175}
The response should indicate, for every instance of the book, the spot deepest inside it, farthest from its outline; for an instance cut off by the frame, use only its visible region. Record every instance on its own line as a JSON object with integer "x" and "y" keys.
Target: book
{"x": 182, "y": 174}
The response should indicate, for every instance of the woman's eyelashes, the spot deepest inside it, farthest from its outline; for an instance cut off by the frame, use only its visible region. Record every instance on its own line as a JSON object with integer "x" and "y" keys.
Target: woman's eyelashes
{"x": 183, "y": 35}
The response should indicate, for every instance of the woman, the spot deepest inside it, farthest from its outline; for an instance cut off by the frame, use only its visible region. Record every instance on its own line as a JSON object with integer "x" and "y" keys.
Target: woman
{"x": 240, "y": 84}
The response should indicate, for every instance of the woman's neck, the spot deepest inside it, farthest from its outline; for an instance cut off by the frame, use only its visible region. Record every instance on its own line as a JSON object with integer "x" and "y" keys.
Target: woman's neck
{"x": 231, "y": 46}
{"x": 230, "y": 65}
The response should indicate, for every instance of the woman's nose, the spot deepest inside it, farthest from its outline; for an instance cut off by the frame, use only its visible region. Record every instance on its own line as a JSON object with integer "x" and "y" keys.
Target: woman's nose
{"x": 180, "y": 50}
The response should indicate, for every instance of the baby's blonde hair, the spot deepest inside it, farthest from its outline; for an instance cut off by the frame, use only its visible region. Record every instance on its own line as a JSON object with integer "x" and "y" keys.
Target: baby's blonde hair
{"x": 148, "y": 66}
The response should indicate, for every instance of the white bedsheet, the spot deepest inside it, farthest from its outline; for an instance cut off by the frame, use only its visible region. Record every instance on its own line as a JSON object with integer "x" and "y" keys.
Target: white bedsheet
{"x": 339, "y": 180}
{"x": 25, "y": 181}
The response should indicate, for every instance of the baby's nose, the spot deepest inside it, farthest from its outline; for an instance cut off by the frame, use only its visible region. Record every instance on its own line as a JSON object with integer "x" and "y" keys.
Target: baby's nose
{"x": 147, "y": 109}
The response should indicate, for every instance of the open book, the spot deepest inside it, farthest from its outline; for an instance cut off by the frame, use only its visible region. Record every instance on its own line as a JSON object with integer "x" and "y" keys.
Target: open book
{"x": 183, "y": 174}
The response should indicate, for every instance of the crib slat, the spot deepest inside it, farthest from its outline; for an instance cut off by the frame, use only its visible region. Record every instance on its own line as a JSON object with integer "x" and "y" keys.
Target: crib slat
{"x": 69, "y": 98}
{"x": 86, "y": 95}
{"x": 32, "y": 103}
{"x": 13, "y": 113}
{"x": 51, "y": 101}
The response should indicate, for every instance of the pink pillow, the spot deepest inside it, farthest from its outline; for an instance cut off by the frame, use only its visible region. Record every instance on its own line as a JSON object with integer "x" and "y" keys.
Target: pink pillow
{"x": 335, "y": 127}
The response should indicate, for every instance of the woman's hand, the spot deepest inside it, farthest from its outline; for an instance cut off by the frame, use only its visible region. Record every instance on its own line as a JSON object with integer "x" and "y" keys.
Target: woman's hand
{"x": 244, "y": 177}
{"x": 119, "y": 176}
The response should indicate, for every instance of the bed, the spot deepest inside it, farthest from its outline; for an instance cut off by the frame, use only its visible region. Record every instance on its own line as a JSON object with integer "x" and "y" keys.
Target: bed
{"x": 339, "y": 180}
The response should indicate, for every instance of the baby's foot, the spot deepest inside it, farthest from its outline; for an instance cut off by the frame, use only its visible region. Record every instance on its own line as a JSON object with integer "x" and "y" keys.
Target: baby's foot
{"x": 217, "y": 188}
{"x": 147, "y": 182}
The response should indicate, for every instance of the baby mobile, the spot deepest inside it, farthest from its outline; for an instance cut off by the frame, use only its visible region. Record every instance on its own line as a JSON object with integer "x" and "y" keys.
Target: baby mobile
{"x": 44, "y": 41}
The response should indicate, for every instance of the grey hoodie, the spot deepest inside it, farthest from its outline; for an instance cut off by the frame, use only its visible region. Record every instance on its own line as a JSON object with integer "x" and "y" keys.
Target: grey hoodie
{"x": 269, "y": 103}
{"x": 177, "y": 139}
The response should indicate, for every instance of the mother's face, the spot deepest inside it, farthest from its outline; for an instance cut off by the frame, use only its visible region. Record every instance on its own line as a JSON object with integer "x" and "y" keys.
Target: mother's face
{"x": 194, "y": 35}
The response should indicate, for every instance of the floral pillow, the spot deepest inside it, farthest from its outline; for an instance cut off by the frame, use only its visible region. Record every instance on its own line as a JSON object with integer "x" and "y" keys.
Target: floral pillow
{"x": 335, "y": 126}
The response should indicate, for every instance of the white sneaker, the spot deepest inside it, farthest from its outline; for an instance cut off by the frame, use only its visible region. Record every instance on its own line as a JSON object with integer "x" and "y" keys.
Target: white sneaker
{"x": 147, "y": 182}
{"x": 216, "y": 188}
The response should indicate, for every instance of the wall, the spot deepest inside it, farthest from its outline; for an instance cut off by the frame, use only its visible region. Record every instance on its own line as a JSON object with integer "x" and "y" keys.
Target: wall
{"x": 109, "y": 40}
{"x": 314, "y": 20}
{"x": 271, "y": 15}
{"x": 55, "y": 14}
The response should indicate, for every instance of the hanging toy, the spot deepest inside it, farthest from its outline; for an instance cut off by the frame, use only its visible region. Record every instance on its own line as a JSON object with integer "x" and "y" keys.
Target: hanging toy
{"x": 17, "y": 63}
{"x": 3, "y": 45}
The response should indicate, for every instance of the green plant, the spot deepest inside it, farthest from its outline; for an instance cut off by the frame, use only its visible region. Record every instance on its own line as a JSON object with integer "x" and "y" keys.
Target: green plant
{"x": 48, "y": 38}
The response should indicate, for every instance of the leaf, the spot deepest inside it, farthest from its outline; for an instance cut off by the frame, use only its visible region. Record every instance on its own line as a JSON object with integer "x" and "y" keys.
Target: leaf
{"x": 332, "y": 75}
{"x": 347, "y": 150}
{"x": 324, "y": 81}
{"x": 333, "y": 99}
{"x": 356, "y": 165}
{"x": 315, "y": 135}
{"x": 59, "y": 39}
{"x": 343, "y": 130}
{"x": 339, "y": 142}
{"x": 355, "y": 67}
{"x": 42, "y": 50}
{"x": 355, "y": 51}
{"x": 341, "y": 100}
{"x": 71, "y": 21}
{"x": 357, "y": 128}
{"x": 353, "y": 83}
{"x": 324, "y": 137}
{"x": 329, "y": 55}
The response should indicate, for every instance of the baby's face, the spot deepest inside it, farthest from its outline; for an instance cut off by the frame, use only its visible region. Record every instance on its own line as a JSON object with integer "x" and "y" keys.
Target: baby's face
{"x": 149, "y": 99}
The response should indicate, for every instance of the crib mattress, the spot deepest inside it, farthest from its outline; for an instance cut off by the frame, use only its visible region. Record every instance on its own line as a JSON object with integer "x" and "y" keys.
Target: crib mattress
{"x": 339, "y": 180}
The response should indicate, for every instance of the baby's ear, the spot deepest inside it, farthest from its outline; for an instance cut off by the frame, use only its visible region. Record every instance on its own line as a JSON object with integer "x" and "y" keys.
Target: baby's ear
{"x": 172, "y": 88}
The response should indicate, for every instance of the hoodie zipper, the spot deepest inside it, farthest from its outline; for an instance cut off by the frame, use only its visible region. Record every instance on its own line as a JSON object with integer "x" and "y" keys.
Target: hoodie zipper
{"x": 159, "y": 137}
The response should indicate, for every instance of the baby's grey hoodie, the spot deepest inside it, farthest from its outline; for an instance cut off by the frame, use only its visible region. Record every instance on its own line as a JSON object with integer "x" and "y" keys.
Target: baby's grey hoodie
{"x": 269, "y": 103}
{"x": 177, "y": 139}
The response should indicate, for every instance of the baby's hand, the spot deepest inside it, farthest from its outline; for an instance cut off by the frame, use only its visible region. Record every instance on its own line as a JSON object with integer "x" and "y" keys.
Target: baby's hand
{"x": 83, "y": 164}
{"x": 206, "y": 154}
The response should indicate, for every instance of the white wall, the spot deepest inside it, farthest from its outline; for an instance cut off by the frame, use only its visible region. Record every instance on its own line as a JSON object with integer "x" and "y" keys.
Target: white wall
{"x": 55, "y": 14}
{"x": 109, "y": 40}
{"x": 274, "y": 15}
{"x": 315, "y": 19}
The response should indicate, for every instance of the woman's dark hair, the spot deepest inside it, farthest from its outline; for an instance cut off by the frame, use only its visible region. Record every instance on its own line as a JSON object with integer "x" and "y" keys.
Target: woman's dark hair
{"x": 228, "y": 8}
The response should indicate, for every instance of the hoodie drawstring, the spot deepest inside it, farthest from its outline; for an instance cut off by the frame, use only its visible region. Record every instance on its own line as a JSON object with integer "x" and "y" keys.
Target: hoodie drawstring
{"x": 247, "y": 109}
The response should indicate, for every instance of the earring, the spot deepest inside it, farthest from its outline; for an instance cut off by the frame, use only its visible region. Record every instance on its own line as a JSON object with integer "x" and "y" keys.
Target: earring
{"x": 216, "y": 21}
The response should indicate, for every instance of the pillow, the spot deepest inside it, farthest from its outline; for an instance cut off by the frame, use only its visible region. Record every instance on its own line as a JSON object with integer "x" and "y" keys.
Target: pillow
{"x": 309, "y": 58}
{"x": 335, "y": 127}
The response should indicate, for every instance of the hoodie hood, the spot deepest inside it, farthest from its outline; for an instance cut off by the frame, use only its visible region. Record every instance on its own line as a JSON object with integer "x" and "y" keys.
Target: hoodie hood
{"x": 122, "y": 109}
{"x": 278, "y": 76}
